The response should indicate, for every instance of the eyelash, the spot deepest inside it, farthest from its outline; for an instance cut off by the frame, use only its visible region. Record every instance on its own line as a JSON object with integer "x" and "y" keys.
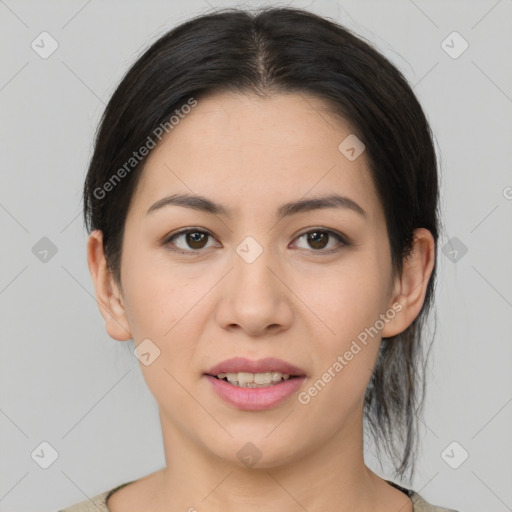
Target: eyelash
{"x": 343, "y": 242}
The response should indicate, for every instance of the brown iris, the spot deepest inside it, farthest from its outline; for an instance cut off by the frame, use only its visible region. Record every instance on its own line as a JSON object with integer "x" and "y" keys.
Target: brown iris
{"x": 196, "y": 237}
{"x": 318, "y": 237}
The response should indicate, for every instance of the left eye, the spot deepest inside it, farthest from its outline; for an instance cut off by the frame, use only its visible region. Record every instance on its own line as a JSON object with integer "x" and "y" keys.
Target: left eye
{"x": 319, "y": 238}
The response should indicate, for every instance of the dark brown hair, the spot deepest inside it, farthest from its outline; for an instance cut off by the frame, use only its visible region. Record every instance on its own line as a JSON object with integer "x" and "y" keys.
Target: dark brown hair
{"x": 282, "y": 50}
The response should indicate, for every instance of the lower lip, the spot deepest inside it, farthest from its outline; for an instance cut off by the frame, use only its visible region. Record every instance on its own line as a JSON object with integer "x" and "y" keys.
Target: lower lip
{"x": 255, "y": 399}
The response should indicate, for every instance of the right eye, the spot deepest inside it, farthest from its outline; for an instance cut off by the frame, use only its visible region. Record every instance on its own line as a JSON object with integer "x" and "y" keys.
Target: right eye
{"x": 192, "y": 241}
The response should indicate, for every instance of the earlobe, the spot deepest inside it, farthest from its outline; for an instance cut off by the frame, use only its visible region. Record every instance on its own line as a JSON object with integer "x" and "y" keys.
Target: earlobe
{"x": 108, "y": 295}
{"x": 411, "y": 286}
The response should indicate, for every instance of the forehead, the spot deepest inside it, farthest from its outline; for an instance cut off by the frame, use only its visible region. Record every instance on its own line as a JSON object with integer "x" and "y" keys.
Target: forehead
{"x": 240, "y": 147}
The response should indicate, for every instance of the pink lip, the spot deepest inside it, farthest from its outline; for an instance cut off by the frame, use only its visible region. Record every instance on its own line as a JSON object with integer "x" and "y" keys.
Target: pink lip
{"x": 268, "y": 364}
{"x": 255, "y": 399}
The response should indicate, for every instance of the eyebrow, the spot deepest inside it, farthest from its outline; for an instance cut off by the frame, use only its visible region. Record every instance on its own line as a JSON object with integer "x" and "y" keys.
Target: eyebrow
{"x": 204, "y": 204}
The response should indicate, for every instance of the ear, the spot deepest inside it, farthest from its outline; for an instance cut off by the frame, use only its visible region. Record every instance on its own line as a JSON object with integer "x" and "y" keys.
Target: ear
{"x": 108, "y": 295}
{"x": 411, "y": 286}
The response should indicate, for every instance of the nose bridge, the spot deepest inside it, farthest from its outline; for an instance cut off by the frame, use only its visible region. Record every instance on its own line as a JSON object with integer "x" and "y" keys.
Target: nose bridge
{"x": 252, "y": 273}
{"x": 253, "y": 297}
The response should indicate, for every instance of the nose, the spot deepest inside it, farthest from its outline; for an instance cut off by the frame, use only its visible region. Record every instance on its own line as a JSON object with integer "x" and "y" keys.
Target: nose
{"x": 254, "y": 297}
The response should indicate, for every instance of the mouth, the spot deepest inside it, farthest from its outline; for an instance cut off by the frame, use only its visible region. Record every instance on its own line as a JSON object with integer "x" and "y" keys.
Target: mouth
{"x": 250, "y": 385}
{"x": 261, "y": 373}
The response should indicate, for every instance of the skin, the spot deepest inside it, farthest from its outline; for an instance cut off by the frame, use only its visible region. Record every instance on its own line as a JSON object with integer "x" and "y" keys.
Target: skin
{"x": 293, "y": 302}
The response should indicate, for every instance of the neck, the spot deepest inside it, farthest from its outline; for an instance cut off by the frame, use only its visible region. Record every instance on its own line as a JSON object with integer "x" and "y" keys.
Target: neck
{"x": 327, "y": 477}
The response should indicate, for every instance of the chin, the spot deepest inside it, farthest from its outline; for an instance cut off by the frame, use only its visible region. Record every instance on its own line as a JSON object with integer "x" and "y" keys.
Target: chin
{"x": 257, "y": 449}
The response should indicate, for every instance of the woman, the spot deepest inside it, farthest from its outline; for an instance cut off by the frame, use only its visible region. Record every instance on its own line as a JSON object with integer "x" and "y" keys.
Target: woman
{"x": 262, "y": 204}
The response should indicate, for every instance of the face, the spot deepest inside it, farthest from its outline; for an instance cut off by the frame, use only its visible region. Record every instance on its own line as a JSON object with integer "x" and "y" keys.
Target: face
{"x": 255, "y": 280}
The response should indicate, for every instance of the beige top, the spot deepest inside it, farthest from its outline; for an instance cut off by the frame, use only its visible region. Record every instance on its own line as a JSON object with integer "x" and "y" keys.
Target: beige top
{"x": 99, "y": 502}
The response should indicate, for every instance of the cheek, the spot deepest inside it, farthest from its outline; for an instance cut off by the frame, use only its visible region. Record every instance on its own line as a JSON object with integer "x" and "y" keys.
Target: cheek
{"x": 157, "y": 296}
{"x": 349, "y": 303}
{"x": 161, "y": 307}
{"x": 347, "y": 300}
{"x": 166, "y": 306}
{"x": 346, "y": 350}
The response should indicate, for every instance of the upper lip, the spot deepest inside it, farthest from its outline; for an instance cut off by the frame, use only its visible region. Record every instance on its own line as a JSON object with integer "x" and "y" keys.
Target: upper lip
{"x": 267, "y": 364}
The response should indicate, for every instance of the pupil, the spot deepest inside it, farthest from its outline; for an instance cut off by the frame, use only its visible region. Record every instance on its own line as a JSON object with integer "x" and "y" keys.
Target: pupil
{"x": 195, "y": 237}
{"x": 316, "y": 234}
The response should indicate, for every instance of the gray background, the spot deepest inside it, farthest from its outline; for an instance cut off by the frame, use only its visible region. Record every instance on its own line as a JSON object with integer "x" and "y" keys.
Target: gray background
{"x": 64, "y": 381}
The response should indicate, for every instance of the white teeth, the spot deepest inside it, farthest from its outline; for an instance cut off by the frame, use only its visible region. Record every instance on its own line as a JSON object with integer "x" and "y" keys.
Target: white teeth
{"x": 254, "y": 380}
{"x": 263, "y": 378}
{"x": 245, "y": 378}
